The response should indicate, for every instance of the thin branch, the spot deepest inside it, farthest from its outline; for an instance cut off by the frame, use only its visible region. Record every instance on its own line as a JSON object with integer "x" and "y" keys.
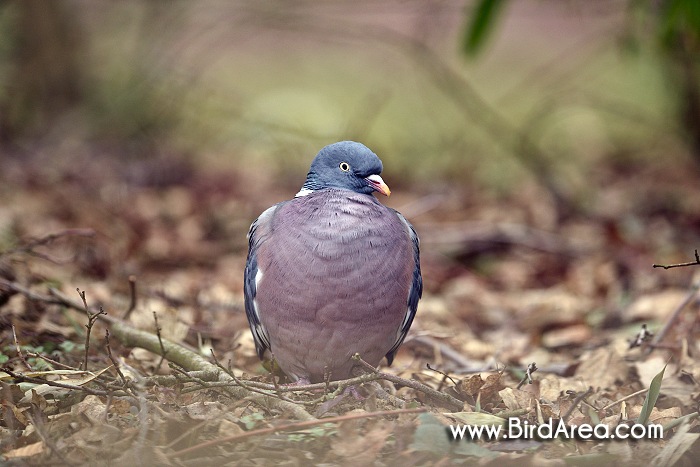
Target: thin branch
{"x": 92, "y": 318}
{"x": 51, "y": 361}
{"x": 19, "y": 349}
{"x": 461, "y": 363}
{"x": 445, "y": 376}
{"x": 580, "y": 398}
{"x": 619, "y": 401}
{"x": 531, "y": 368}
{"x": 114, "y": 361}
{"x": 445, "y": 399}
{"x": 680, "y": 265}
{"x": 19, "y": 377}
{"x": 163, "y": 352}
{"x": 133, "y": 297}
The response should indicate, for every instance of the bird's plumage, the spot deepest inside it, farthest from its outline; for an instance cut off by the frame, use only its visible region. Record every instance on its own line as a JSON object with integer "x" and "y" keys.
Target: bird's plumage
{"x": 332, "y": 272}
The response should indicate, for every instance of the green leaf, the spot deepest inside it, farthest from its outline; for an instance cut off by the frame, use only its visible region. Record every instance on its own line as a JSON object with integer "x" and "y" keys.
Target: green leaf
{"x": 481, "y": 25}
{"x": 652, "y": 395}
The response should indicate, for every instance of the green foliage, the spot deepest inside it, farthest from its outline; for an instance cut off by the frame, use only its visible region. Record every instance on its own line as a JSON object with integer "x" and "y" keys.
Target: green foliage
{"x": 39, "y": 364}
{"x": 313, "y": 433}
{"x": 679, "y": 18}
{"x": 251, "y": 420}
{"x": 652, "y": 395}
{"x": 481, "y": 25}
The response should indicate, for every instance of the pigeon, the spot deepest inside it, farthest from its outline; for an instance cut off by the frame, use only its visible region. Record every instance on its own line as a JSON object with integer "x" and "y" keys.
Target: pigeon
{"x": 332, "y": 272}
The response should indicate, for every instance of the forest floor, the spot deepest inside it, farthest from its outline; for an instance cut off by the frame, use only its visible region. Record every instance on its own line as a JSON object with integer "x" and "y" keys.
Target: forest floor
{"x": 510, "y": 280}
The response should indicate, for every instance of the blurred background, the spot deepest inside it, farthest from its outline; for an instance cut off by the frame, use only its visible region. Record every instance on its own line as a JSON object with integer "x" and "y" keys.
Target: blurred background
{"x": 542, "y": 146}
{"x": 483, "y": 92}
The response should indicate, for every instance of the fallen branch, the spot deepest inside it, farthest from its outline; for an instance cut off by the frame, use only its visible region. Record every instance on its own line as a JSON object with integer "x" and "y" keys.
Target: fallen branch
{"x": 191, "y": 361}
{"x": 187, "y": 359}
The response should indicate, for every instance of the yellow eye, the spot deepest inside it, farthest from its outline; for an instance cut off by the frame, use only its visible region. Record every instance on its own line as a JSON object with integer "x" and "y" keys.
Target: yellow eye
{"x": 344, "y": 166}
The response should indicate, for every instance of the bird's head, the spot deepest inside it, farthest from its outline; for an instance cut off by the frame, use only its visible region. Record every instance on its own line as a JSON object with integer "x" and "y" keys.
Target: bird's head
{"x": 349, "y": 165}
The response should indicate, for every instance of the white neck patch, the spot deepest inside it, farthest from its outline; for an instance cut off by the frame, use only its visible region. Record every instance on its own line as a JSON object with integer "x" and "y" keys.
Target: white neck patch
{"x": 303, "y": 192}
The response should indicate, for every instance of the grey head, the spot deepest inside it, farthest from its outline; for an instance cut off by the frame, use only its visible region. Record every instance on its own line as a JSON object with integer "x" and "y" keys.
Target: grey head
{"x": 346, "y": 165}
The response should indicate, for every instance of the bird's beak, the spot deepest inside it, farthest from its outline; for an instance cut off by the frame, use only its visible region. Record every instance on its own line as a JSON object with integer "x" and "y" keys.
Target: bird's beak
{"x": 376, "y": 182}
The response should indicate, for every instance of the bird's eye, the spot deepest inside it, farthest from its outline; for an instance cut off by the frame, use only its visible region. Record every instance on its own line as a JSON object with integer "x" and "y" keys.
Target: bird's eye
{"x": 344, "y": 166}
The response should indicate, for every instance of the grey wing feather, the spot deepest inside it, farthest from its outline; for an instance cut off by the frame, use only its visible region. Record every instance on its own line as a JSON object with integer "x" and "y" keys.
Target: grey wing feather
{"x": 256, "y": 235}
{"x": 414, "y": 294}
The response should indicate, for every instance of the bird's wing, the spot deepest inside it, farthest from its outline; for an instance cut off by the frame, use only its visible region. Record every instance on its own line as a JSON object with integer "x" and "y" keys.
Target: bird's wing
{"x": 259, "y": 230}
{"x": 414, "y": 293}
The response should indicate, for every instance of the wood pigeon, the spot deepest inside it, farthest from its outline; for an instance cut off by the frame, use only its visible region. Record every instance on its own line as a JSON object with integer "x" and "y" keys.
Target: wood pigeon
{"x": 332, "y": 272}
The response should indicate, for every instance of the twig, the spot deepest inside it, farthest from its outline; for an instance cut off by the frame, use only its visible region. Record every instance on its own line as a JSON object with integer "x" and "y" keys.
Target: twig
{"x": 114, "y": 361}
{"x": 163, "y": 352}
{"x": 132, "y": 294}
{"x": 291, "y": 426}
{"x": 619, "y": 401}
{"x": 92, "y": 317}
{"x": 642, "y": 336}
{"x": 19, "y": 350}
{"x": 576, "y": 402}
{"x": 679, "y": 265}
{"x": 447, "y": 352}
{"x": 531, "y": 368}
{"x": 51, "y": 361}
{"x": 445, "y": 376}
{"x": 446, "y": 399}
{"x": 244, "y": 385}
{"x": 29, "y": 379}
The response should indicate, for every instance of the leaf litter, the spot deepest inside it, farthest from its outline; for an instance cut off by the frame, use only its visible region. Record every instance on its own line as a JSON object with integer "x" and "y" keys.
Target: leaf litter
{"x": 567, "y": 294}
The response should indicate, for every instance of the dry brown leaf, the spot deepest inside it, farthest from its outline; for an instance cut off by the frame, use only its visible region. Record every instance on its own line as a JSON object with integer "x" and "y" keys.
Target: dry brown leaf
{"x": 538, "y": 309}
{"x": 516, "y": 399}
{"x": 91, "y": 407}
{"x": 204, "y": 410}
{"x": 470, "y": 385}
{"x": 549, "y": 388}
{"x": 602, "y": 368}
{"x": 657, "y": 416}
{"x": 577, "y": 334}
{"x": 25, "y": 451}
{"x": 358, "y": 442}
{"x": 657, "y": 306}
{"x": 228, "y": 428}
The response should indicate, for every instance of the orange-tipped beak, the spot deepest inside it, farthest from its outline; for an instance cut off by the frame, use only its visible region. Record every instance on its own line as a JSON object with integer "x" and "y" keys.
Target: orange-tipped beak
{"x": 376, "y": 182}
